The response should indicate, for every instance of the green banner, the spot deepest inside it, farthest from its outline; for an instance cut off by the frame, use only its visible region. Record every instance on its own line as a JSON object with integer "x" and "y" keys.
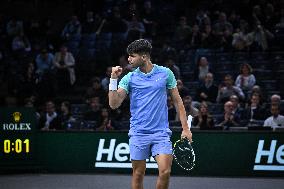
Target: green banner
{"x": 218, "y": 153}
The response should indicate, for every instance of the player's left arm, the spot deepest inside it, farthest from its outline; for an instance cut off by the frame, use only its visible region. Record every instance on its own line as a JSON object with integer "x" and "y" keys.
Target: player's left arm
{"x": 181, "y": 112}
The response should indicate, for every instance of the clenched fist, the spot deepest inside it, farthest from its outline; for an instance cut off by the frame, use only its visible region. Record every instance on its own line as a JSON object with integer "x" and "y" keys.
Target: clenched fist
{"x": 116, "y": 72}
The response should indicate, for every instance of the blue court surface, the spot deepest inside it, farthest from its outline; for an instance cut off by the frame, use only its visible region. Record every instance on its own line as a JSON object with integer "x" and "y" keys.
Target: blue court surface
{"x": 114, "y": 181}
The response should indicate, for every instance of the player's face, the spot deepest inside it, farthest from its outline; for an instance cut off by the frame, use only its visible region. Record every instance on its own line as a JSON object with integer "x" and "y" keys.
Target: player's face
{"x": 135, "y": 60}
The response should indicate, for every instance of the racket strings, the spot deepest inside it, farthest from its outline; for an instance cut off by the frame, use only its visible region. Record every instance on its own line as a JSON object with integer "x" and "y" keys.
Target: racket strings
{"x": 184, "y": 154}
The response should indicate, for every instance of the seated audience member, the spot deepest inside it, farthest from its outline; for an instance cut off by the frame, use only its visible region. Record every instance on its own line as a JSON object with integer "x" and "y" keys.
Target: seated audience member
{"x": 104, "y": 121}
{"x": 228, "y": 120}
{"x": 183, "y": 90}
{"x": 44, "y": 63}
{"x": 190, "y": 110}
{"x": 275, "y": 120}
{"x": 245, "y": 80}
{"x": 258, "y": 90}
{"x": 65, "y": 115}
{"x": 72, "y": 28}
{"x": 238, "y": 111}
{"x": 95, "y": 89}
{"x": 255, "y": 111}
{"x": 208, "y": 91}
{"x": 228, "y": 90}
{"x": 49, "y": 119}
{"x": 170, "y": 63}
{"x": 64, "y": 63}
{"x": 95, "y": 110}
{"x": 204, "y": 120}
{"x": 275, "y": 99}
{"x": 202, "y": 69}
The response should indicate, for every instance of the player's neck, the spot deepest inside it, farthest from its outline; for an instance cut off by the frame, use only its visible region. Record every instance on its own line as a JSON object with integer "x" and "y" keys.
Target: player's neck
{"x": 147, "y": 67}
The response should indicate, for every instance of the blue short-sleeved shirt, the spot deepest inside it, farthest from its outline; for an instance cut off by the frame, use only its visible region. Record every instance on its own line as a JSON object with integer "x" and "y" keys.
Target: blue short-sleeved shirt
{"x": 148, "y": 99}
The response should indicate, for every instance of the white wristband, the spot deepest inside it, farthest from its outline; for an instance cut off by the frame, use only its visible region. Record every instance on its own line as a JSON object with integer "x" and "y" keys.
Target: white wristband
{"x": 112, "y": 84}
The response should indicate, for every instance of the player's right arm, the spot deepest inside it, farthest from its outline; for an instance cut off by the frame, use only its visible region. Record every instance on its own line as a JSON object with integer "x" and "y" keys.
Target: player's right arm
{"x": 116, "y": 96}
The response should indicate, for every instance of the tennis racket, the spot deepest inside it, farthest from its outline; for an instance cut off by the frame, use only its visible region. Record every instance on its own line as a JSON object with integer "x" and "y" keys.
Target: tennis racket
{"x": 183, "y": 152}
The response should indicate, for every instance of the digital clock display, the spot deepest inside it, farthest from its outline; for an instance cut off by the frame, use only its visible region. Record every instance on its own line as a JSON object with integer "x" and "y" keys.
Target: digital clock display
{"x": 17, "y": 146}
{"x": 17, "y": 137}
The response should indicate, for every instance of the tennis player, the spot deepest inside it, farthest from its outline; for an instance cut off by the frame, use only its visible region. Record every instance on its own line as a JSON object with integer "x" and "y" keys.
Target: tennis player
{"x": 149, "y": 133}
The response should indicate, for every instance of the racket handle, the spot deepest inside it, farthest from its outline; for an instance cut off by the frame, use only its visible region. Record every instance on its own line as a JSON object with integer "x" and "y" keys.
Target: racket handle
{"x": 189, "y": 120}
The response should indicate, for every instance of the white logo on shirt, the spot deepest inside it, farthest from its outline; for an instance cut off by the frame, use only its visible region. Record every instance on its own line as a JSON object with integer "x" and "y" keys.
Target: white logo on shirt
{"x": 158, "y": 79}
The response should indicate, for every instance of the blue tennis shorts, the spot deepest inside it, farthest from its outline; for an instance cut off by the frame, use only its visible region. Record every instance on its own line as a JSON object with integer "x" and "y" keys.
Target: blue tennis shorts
{"x": 142, "y": 146}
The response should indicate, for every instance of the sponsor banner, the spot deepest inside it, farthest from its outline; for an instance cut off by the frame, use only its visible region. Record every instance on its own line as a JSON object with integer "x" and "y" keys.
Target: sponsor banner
{"x": 271, "y": 158}
{"x": 218, "y": 153}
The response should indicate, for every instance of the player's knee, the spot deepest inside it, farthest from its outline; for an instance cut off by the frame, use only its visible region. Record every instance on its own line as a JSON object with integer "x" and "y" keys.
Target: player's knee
{"x": 138, "y": 173}
{"x": 165, "y": 172}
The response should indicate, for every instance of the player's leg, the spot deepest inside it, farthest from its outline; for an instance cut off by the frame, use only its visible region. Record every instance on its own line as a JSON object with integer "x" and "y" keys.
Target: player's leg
{"x": 164, "y": 162}
{"x": 139, "y": 151}
{"x": 162, "y": 151}
{"x": 138, "y": 168}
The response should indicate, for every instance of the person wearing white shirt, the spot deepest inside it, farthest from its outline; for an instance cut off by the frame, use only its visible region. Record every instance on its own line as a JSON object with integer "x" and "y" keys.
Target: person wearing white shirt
{"x": 275, "y": 120}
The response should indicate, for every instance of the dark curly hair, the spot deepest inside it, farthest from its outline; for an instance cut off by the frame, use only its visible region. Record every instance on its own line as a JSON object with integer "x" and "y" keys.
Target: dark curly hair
{"x": 140, "y": 46}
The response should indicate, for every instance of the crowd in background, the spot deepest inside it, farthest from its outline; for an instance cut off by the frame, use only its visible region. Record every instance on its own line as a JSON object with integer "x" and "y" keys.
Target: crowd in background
{"x": 62, "y": 67}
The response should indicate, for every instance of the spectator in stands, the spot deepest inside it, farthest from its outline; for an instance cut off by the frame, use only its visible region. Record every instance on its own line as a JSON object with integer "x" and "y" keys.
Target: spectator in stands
{"x": 222, "y": 25}
{"x": 149, "y": 17}
{"x": 202, "y": 69}
{"x": 170, "y": 63}
{"x": 255, "y": 112}
{"x": 207, "y": 38}
{"x": 275, "y": 99}
{"x": 72, "y": 29}
{"x": 183, "y": 90}
{"x": 245, "y": 80}
{"x": 259, "y": 38}
{"x": 27, "y": 83}
{"x": 65, "y": 63}
{"x": 204, "y": 120}
{"x": 257, "y": 89}
{"x": 271, "y": 17}
{"x": 228, "y": 120}
{"x": 190, "y": 110}
{"x": 105, "y": 80}
{"x": 275, "y": 120}
{"x": 117, "y": 23}
{"x": 240, "y": 40}
{"x": 228, "y": 89}
{"x": 207, "y": 91}
{"x": 181, "y": 33}
{"x": 166, "y": 51}
{"x": 89, "y": 26}
{"x": 194, "y": 38}
{"x": 21, "y": 44}
{"x": 135, "y": 29}
{"x": 95, "y": 89}
{"x": 104, "y": 121}
{"x": 95, "y": 110}
{"x": 222, "y": 31}
{"x": 118, "y": 27}
{"x": 238, "y": 111}
{"x": 14, "y": 27}
{"x": 65, "y": 115}
{"x": 44, "y": 63}
{"x": 49, "y": 119}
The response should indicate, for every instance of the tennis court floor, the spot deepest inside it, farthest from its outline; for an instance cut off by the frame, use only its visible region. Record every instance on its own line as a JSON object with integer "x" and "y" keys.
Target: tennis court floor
{"x": 107, "y": 181}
